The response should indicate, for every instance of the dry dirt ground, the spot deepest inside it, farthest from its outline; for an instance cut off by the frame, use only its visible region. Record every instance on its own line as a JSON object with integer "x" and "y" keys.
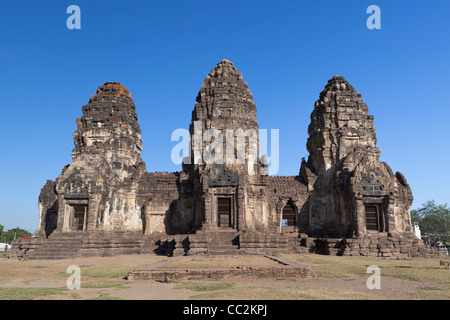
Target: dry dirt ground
{"x": 337, "y": 278}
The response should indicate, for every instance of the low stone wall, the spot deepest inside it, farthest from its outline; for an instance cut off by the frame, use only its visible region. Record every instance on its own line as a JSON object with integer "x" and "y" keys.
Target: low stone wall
{"x": 376, "y": 245}
{"x": 95, "y": 244}
{"x": 286, "y": 269}
{"x": 393, "y": 247}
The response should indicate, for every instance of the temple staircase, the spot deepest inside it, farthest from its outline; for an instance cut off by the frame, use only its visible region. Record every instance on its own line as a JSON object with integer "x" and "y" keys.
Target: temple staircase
{"x": 214, "y": 242}
{"x": 58, "y": 246}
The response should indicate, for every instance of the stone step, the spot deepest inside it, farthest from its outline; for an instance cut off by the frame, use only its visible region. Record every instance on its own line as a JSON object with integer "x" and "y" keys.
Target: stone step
{"x": 222, "y": 252}
{"x": 223, "y": 246}
{"x": 44, "y": 255}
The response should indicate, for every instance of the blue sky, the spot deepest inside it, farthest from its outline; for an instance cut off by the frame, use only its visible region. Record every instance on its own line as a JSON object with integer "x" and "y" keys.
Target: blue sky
{"x": 162, "y": 51}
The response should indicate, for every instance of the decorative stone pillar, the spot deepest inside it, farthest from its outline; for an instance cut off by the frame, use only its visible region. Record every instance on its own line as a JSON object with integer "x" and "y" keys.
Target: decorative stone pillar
{"x": 390, "y": 212}
{"x": 208, "y": 202}
{"x": 241, "y": 223}
{"x": 61, "y": 214}
{"x": 359, "y": 218}
{"x": 92, "y": 212}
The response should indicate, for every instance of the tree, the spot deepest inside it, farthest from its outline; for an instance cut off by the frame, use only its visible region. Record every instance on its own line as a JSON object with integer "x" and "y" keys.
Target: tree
{"x": 17, "y": 233}
{"x": 433, "y": 218}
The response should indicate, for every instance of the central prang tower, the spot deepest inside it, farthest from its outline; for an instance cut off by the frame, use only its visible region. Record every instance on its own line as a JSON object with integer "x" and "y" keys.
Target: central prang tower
{"x": 225, "y": 165}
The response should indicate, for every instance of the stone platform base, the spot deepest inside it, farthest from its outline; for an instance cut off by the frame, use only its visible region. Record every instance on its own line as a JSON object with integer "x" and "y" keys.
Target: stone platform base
{"x": 285, "y": 269}
{"x": 374, "y": 245}
{"x": 229, "y": 242}
{"x": 95, "y": 244}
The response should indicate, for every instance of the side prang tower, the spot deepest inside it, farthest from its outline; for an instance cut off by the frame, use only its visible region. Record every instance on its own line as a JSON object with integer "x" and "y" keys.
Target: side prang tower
{"x": 351, "y": 193}
{"x": 97, "y": 191}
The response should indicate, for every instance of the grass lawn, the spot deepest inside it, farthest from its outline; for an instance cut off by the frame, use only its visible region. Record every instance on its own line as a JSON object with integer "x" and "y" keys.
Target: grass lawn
{"x": 292, "y": 293}
{"x": 338, "y": 278}
{"x": 346, "y": 267}
{"x": 331, "y": 268}
{"x": 109, "y": 271}
{"x": 29, "y": 293}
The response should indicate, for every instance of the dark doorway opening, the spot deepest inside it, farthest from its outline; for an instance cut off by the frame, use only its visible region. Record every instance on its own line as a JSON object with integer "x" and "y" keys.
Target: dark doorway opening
{"x": 79, "y": 217}
{"x": 373, "y": 219}
{"x": 288, "y": 216}
{"x": 224, "y": 212}
{"x": 51, "y": 219}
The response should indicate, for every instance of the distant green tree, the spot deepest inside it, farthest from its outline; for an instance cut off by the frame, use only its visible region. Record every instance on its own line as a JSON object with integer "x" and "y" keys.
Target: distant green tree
{"x": 433, "y": 218}
{"x": 1, "y": 232}
{"x": 17, "y": 233}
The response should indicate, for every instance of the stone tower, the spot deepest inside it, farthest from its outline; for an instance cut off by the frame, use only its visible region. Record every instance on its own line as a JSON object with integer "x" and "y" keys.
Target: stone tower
{"x": 224, "y": 109}
{"x": 351, "y": 192}
{"x": 224, "y": 156}
{"x": 109, "y": 126}
{"x": 97, "y": 190}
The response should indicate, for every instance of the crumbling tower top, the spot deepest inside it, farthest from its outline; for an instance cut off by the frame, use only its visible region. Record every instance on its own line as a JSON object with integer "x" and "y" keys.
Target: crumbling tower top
{"x": 109, "y": 126}
{"x": 340, "y": 125}
{"x": 225, "y": 95}
{"x": 225, "y": 104}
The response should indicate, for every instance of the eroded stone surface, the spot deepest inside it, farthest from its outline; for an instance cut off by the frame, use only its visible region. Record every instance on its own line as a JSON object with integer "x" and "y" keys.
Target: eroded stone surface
{"x": 344, "y": 174}
{"x": 105, "y": 170}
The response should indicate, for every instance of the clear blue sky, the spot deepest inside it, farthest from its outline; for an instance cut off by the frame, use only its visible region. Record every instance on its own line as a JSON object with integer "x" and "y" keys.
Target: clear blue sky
{"x": 162, "y": 51}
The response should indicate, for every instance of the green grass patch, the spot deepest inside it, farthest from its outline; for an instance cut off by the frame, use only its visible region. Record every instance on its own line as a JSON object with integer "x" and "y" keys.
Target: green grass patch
{"x": 107, "y": 271}
{"x": 105, "y": 296}
{"x": 28, "y": 281}
{"x": 76, "y": 296}
{"x": 205, "y": 285}
{"x": 28, "y": 293}
{"x": 439, "y": 292}
{"x": 348, "y": 267}
{"x": 294, "y": 293}
{"x": 103, "y": 284}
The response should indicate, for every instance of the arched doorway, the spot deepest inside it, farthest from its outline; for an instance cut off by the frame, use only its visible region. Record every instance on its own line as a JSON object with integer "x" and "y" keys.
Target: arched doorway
{"x": 288, "y": 215}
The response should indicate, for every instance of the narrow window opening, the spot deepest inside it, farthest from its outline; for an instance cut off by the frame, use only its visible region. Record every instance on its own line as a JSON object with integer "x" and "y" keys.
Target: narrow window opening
{"x": 373, "y": 218}
{"x": 79, "y": 217}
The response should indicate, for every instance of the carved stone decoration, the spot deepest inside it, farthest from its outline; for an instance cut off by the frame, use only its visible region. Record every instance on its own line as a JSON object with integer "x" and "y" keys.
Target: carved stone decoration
{"x": 221, "y": 176}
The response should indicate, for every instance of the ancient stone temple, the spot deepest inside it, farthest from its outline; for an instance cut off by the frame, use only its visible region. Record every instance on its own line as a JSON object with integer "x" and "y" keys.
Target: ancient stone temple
{"x": 344, "y": 201}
